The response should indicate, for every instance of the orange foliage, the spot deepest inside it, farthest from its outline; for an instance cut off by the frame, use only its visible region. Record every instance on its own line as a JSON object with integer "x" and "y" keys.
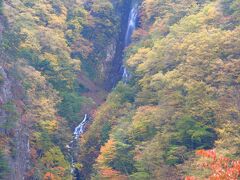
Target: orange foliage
{"x": 33, "y": 153}
{"x": 107, "y": 153}
{"x": 207, "y": 153}
{"x": 49, "y": 176}
{"x": 59, "y": 170}
{"x": 139, "y": 33}
{"x": 222, "y": 168}
{"x": 112, "y": 174}
{"x": 3, "y": 141}
{"x": 83, "y": 46}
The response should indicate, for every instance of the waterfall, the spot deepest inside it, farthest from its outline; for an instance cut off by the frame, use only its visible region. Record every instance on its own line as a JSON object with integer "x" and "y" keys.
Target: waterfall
{"x": 79, "y": 129}
{"x": 132, "y": 21}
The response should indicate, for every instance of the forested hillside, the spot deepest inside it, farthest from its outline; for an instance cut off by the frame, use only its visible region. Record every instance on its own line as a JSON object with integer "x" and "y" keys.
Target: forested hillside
{"x": 65, "y": 113}
{"x": 183, "y": 95}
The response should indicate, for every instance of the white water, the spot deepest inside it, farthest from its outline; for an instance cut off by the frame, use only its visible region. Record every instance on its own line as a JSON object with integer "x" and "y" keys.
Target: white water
{"x": 28, "y": 146}
{"x": 80, "y": 128}
{"x": 132, "y": 21}
{"x": 78, "y": 131}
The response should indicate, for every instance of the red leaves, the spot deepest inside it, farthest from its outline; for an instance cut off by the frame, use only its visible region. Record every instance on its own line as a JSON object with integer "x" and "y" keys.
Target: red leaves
{"x": 109, "y": 172}
{"x": 139, "y": 33}
{"x": 190, "y": 178}
{"x": 207, "y": 153}
{"x": 49, "y": 176}
{"x": 112, "y": 174}
{"x": 222, "y": 168}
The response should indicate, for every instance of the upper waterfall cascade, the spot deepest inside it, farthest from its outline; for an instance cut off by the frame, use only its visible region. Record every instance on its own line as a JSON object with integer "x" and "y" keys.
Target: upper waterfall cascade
{"x": 132, "y": 22}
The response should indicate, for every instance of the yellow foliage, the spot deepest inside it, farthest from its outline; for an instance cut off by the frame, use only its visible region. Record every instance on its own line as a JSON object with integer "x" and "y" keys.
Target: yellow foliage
{"x": 144, "y": 116}
{"x": 52, "y": 58}
{"x": 107, "y": 153}
{"x": 49, "y": 125}
{"x": 31, "y": 41}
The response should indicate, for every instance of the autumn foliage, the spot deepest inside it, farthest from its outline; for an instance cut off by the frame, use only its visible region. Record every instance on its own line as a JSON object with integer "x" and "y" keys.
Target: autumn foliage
{"x": 108, "y": 152}
{"x": 221, "y": 168}
{"x": 183, "y": 93}
{"x": 112, "y": 174}
{"x": 49, "y": 176}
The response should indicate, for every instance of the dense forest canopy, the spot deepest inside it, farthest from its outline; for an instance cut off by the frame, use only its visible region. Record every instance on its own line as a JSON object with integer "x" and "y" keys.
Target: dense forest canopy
{"x": 176, "y": 116}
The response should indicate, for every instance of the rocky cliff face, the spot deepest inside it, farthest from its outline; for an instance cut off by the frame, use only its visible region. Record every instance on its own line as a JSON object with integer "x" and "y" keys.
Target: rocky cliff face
{"x": 116, "y": 50}
{"x": 106, "y": 64}
{"x": 12, "y": 125}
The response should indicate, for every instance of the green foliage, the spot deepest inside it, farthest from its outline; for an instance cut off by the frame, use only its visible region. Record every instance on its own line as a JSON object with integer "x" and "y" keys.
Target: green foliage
{"x": 174, "y": 155}
{"x": 4, "y": 169}
{"x": 193, "y": 134}
{"x": 140, "y": 175}
{"x": 230, "y": 6}
{"x": 70, "y": 106}
{"x": 10, "y": 42}
{"x": 55, "y": 163}
{"x": 123, "y": 161}
{"x": 231, "y": 9}
{"x": 123, "y": 93}
{"x": 1, "y": 7}
{"x": 12, "y": 116}
{"x": 105, "y": 131}
{"x": 33, "y": 59}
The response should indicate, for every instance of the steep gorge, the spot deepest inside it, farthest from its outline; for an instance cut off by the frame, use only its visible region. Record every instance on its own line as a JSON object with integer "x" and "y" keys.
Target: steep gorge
{"x": 116, "y": 67}
{"x": 23, "y": 133}
{"x": 117, "y": 71}
{"x": 118, "y": 89}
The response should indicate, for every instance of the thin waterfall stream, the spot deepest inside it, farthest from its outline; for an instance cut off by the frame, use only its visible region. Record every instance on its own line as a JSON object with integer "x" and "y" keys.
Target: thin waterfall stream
{"x": 132, "y": 22}
{"x": 79, "y": 130}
